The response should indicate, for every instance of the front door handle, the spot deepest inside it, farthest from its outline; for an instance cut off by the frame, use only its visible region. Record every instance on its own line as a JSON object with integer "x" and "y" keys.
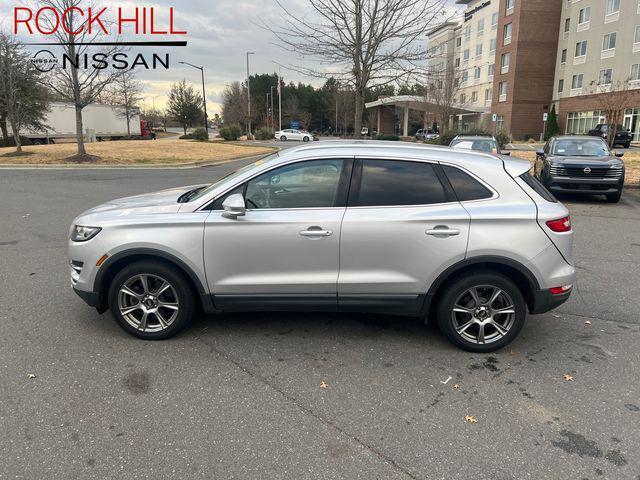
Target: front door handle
{"x": 316, "y": 232}
{"x": 443, "y": 230}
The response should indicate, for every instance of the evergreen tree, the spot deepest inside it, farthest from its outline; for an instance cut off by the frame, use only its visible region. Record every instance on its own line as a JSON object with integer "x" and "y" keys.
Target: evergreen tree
{"x": 553, "y": 128}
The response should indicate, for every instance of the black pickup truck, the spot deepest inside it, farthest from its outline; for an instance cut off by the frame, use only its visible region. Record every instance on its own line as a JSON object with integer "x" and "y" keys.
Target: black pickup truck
{"x": 623, "y": 136}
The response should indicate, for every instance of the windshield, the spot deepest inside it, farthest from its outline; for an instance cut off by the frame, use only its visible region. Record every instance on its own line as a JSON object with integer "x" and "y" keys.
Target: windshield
{"x": 482, "y": 145}
{"x": 580, "y": 147}
{"x": 233, "y": 175}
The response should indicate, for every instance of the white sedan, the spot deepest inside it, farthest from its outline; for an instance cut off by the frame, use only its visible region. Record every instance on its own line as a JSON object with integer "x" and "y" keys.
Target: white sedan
{"x": 293, "y": 134}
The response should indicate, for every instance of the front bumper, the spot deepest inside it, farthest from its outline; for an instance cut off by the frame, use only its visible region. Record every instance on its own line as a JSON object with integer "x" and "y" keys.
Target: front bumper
{"x": 90, "y": 298}
{"x": 588, "y": 186}
{"x": 544, "y": 301}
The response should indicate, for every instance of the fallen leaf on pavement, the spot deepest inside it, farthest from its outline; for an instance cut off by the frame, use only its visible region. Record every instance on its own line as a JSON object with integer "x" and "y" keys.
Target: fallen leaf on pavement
{"x": 470, "y": 419}
{"x": 567, "y": 377}
{"x": 324, "y": 384}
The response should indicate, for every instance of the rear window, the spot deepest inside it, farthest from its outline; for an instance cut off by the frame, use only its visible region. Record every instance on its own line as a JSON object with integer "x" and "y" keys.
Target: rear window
{"x": 538, "y": 187}
{"x": 394, "y": 182}
{"x": 465, "y": 186}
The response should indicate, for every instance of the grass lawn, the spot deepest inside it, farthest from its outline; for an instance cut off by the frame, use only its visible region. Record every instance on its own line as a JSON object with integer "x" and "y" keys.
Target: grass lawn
{"x": 134, "y": 152}
{"x": 631, "y": 161}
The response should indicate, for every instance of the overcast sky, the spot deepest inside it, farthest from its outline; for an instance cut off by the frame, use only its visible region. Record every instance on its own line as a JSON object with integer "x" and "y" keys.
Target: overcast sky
{"x": 219, "y": 34}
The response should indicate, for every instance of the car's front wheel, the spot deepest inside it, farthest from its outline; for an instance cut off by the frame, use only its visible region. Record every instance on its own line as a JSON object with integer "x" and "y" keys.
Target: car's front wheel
{"x": 283, "y": 138}
{"x": 151, "y": 300}
{"x": 305, "y": 139}
{"x": 481, "y": 312}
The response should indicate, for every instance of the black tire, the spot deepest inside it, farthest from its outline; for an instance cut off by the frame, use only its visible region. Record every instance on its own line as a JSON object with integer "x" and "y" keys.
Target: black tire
{"x": 181, "y": 290}
{"x": 456, "y": 289}
{"x": 305, "y": 139}
{"x": 614, "y": 197}
{"x": 627, "y": 145}
{"x": 283, "y": 138}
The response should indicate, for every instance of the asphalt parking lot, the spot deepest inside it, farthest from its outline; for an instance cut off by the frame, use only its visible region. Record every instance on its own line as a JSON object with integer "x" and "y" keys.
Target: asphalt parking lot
{"x": 239, "y": 396}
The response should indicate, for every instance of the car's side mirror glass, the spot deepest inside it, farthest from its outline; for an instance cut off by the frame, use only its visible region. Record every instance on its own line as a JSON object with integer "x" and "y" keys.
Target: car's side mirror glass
{"x": 234, "y": 206}
{"x": 619, "y": 154}
{"x": 540, "y": 152}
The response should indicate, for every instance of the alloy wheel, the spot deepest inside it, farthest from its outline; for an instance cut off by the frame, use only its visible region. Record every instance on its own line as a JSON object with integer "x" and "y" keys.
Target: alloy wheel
{"x": 148, "y": 303}
{"x": 483, "y": 314}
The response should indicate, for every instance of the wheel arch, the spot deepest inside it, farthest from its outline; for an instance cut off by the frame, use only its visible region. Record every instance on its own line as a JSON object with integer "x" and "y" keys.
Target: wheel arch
{"x": 117, "y": 262}
{"x": 524, "y": 279}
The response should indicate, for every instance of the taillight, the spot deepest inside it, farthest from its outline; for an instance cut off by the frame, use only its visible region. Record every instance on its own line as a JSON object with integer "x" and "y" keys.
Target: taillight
{"x": 560, "y": 225}
{"x": 560, "y": 290}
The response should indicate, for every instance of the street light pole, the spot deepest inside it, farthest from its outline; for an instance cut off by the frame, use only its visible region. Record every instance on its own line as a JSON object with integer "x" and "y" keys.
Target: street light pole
{"x": 267, "y": 109}
{"x": 204, "y": 95}
{"x": 272, "y": 126}
{"x": 248, "y": 98}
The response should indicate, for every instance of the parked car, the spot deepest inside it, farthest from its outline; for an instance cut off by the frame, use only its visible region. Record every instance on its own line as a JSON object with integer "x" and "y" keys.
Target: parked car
{"x": 623, "y": 136}
{"x": 426, "y": 134}
{"x": 470, "y": 242}
{"x": 293, "y": 134}
{"x": 480, "y": 143}
{"x": 580, "y": 164}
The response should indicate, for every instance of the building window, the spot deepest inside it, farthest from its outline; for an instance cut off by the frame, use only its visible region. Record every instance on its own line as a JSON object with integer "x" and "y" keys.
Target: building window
{"x": 480, "y": 26}
{"x": 504, "y": 62}
{"x": 499, "y": 123}
{"x": 467, "y": 32}
{"x": 510, "y": 4}
{"x": 462, "y": 98}
{"x": 502, "y": 92}
{"x": 494, "y": 21}
{"x": 492, "y": 45}
{"x": 465, "y": 76}
{"x": 474, "y": 97}
{"x": 458, "y": 41}
{"x": 563, "y": 56}
{"x": 488, "y": 94}
{"x": 635, "y": 72}
{"x": 465, "y": 55}
{"x": 582, "y": 122}
{"x": 567, "y": 25}
{"x": 560, "y": 85}
{"x": 477, "y": 72}
{"x": 636, "y": 35}
{"x": 584, "y": 16}
{"x": 604, "y": 77}
{"x": 508, "y": 28}
{"x": 479, "y": 50}
{"x": 612, "y": 6}
{"x": 576, "y": 81}
{"x": 458, "y": 62}
{"x": 609, "y": 43}
{"x": 581, "y": 49}
{"x": 491, "y": 69}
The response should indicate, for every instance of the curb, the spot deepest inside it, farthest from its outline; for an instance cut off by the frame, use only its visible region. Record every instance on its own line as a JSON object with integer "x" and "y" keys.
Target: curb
{"x": 148, "y": 166}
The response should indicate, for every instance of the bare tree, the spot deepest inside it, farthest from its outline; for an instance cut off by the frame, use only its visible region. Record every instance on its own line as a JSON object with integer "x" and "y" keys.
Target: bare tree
{"x": 126, "y": 93}
{"x": 613, "y": 100}
{"x": 23, "y": 99}
{"x": 362, "y": 41}
{"x": 442, "y": 90}
{"x": 73, "y": 84}
{"x": 234, "y": 104}
{"x": 153, "y": 116}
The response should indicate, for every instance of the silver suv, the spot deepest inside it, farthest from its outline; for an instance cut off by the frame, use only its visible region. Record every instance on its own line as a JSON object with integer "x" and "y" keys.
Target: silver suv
{"x": 417, "y": 230}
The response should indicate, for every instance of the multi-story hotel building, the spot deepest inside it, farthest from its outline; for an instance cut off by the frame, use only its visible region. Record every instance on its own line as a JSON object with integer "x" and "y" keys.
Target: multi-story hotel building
{"x": 511, "y": 60}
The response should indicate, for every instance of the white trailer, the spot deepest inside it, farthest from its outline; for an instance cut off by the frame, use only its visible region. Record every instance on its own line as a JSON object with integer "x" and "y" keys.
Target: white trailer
{"x": 105, "y": 121}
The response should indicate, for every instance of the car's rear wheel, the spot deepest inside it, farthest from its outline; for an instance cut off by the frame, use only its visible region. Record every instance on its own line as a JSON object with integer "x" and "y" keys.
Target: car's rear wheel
{"x": 481, "y": 312}
{"x": 614, "y": 197}
{"x": 283, "y": 138}
{"x": 151, "y": 300}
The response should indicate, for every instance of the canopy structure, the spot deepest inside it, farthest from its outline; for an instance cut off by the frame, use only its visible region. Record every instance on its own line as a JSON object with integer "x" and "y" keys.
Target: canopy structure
{"x": 386, "y": 110}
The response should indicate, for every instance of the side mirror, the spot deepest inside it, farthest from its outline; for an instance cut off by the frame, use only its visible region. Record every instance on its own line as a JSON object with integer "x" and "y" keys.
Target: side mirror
{"x": 619, "y": 154}
{"x": 540, "y": 152}
{"x": 234, "y": 206}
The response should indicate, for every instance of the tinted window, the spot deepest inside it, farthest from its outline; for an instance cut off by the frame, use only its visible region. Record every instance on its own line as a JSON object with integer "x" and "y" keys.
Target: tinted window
{"x": 482, "y": 145}
{"x": 393, "y": 182}
{"x": 537, "y": 187}
{"x": 580, "y": 147}
{"x": 465, "y": 186}
{"x": 301, "y": 185}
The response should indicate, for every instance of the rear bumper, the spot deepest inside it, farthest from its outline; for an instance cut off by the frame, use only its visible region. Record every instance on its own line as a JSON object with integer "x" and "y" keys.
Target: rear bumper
{"x": 544, "y": 301}
{"x": 589, "y": 186}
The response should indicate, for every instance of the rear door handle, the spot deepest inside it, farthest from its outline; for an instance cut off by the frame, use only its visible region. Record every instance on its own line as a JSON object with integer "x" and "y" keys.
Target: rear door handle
{"x": 443, "y": 230}
{"x": 316, "y": 232}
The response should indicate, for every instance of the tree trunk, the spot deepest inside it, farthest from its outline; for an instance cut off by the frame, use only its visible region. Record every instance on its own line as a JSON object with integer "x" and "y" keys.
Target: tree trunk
{"x": 3, "y": 127}
{"x": 128, "y": 122}
{"x": 357, "y": 121}
{"x": 184, "y": 127}
{"x": 16, "y": 137}
{"x": 79, "y": 132}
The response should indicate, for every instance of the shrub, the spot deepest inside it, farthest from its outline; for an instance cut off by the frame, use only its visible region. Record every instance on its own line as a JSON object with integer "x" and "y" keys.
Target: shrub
{"x": 503, "y": 138}
{"x": 264, "y": 134}
{"x": 232, "y": 132}
{"x": 384, "y": 136}
{"x": 527, "y": 137}
{"x": 200, "y": 134}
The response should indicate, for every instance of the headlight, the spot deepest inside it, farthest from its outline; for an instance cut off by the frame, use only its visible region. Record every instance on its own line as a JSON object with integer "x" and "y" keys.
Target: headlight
{"x": 81, "y": 233}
